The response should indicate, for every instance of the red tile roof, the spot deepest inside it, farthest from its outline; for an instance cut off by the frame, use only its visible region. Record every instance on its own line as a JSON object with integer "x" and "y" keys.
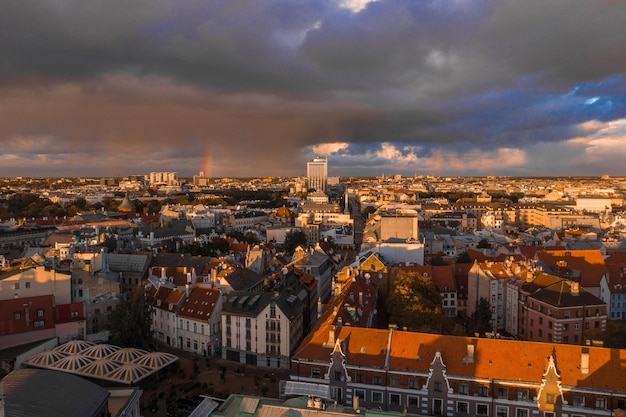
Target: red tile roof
{"x": 168, "y": 298}
{"x": 200, "y": 303}
{"x": 590, "y": 263}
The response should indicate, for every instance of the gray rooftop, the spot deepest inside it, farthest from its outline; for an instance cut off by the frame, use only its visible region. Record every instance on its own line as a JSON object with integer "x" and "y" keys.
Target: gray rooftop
{"x": 38, "y": 392}
{"x": 120, "y": 262}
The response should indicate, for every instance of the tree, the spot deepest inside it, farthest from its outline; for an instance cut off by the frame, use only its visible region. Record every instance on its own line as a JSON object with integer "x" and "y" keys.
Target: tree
{"x": 480, "y": 322}
{"x": 415, "y": 304}
{"x": 221, "y": 245}
{"x": 438, "y": 260}
{"x": 613, "y": 336}
{"x": 463, "y": 258}
{"x": 251, "y": 238}
{"x": 367, "y": 211}
{"x": 293, "y": 240}
{"x": 483, "y": 244}
{"x": 130, "y": 323}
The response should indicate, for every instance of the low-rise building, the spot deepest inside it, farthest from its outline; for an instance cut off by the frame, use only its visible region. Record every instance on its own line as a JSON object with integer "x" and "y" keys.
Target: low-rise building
{"x": 428, "y": 374}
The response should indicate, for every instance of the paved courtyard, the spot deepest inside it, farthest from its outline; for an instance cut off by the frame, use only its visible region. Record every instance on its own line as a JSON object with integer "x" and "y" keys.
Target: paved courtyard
{"x": 212, "y": 376}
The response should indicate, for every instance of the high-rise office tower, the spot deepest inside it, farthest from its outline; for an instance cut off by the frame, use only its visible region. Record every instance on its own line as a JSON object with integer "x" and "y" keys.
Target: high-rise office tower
{"x": 317, "y": 173}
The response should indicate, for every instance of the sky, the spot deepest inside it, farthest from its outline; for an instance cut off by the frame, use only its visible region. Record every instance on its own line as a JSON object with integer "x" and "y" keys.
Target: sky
{"x": 245, "y": 88}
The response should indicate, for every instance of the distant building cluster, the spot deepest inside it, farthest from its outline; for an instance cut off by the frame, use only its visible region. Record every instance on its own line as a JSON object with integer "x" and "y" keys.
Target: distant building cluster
{"x": 547, "y": 257}
{"x": 163, "y": 178}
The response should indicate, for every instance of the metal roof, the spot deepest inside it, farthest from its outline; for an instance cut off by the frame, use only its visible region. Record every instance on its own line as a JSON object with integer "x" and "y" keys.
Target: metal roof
{"x": 46, "y": 393}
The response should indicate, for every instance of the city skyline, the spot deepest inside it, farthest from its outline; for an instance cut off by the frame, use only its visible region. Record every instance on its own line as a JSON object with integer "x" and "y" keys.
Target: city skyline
{"x": 258, "y": 88}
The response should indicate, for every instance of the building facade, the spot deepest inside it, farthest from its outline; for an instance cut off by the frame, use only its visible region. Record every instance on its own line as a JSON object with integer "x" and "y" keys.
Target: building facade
{"x": 199, "y": 321}
{"x": 261, "y": 329}
{"x": 317, "y": 174}
{"x": 426, "y": 374}
{"x": 560, "y": 311}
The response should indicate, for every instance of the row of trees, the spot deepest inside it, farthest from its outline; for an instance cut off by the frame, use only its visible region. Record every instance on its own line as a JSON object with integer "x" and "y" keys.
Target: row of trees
{"x": 26, "y": 205}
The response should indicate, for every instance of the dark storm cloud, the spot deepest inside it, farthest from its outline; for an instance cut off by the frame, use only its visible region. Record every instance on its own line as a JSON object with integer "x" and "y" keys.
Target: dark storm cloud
{"x": 277, "y": 77}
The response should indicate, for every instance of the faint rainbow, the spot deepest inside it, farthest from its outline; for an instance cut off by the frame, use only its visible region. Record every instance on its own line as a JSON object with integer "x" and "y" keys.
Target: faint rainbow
{"x": 207, "y": 164}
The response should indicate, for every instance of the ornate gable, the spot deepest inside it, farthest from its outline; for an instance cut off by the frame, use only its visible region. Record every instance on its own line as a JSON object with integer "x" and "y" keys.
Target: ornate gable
{"x": 550, "y": 391}
{"x": 437, "y": 374}
{"x": 337, "y": 364}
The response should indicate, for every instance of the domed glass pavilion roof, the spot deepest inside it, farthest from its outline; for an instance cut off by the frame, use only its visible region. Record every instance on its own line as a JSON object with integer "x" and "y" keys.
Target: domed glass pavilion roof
{"x": 104, "y": 362}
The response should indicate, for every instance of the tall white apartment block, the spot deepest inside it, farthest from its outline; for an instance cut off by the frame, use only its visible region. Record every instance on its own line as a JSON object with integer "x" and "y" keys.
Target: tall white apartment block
{"x": 317, "y": 174}
{"x": 165, "y": 178}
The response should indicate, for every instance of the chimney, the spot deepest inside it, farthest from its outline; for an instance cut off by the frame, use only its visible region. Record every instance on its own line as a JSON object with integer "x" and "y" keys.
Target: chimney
{"x": 319, "y": 307}
{"x": 361, "y": 297}
{"x": 188, "y": 277}
{"x": 469, "y": 356}
{"x": 284, "y": 271}
{"x": 331, "y": 337}
{"x": 574, "y": 288}
{"x": 188, "y": 289}
{"x": 584, "y": 362}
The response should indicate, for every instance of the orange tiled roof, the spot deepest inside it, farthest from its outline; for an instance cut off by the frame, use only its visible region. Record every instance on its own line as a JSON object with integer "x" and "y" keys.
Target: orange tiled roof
{"x": 177, "y": 273}
{"x": 590, "y": 263}
{"x": 443, "y": 278}
{"x": 494, "y": 359}
{"x": 497, "y": 269}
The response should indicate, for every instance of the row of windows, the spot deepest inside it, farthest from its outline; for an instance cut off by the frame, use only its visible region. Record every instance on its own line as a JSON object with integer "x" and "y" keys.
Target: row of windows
{"x": 18, "y": 314}
{"x": 394, "y": 381}
{"x": 17, "y": 285}
{"x": 188, "y": 327}
{"x": 462, "y": 407}
{"x": 566, "y": 314}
